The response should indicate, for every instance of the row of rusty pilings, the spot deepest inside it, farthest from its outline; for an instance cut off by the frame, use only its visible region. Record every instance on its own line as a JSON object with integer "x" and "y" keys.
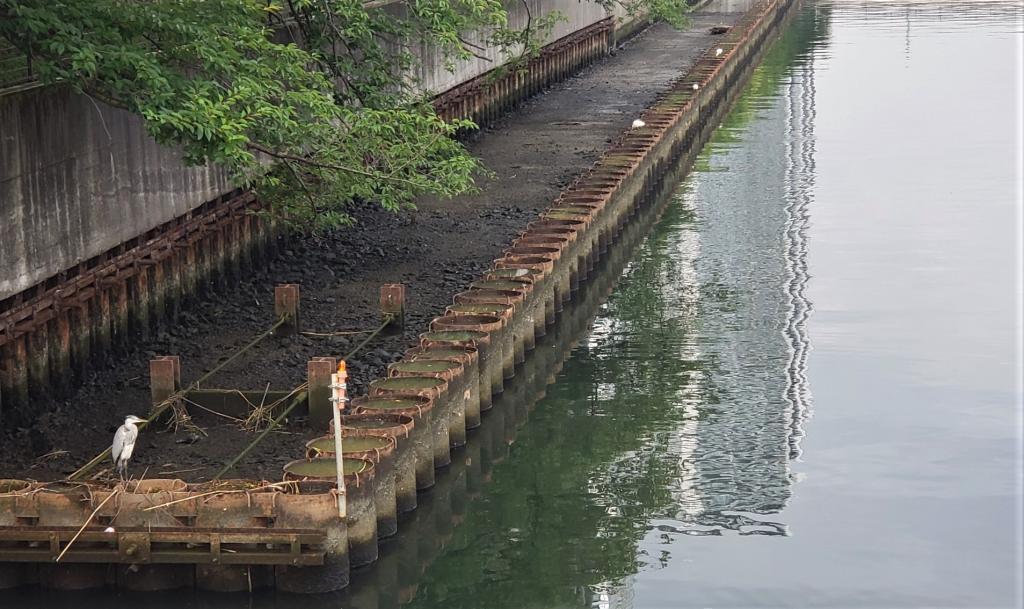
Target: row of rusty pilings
{"x": 52, "y": 333}
{"x": 470, "y": 367}
{"x": 444, "y": 388}
{"x": 486, "y": 97}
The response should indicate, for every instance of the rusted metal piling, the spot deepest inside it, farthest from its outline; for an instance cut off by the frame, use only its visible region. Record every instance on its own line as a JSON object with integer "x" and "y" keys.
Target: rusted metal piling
{"x": 51, "y": 333}
{"x": 290, "y": 534}
{"x": 488, "y": 96}
{"x": 419, "y": 409}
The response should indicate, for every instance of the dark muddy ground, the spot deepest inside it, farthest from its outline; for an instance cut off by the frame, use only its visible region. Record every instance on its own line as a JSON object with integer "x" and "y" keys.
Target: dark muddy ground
{"x": 435, "y": 251}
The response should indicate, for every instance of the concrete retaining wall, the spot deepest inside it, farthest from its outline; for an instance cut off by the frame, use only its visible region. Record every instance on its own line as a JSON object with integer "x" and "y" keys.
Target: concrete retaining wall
{"x": 78, "y": 177}
{"x": 106, "y": 236}
{"x": 603, "y": 214}
{"x": 434, "y": 78}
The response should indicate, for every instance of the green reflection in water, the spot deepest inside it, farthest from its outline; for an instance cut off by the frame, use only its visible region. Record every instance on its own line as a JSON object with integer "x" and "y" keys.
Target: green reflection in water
{"x": 604, "y": 452}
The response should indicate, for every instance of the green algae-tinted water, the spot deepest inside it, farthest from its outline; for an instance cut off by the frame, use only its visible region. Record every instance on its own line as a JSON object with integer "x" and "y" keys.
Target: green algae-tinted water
{"x": 510, "y": 273}
{"x": 408, "y": 382}
{"x": 469, "y": 319}
{"x": 385, "y": 403}
{"x": 349, "y": 444}
{"x": 500, "y": 284}
{"x": 424, "y": 366}
{"x": 454, "y": 335}
{"x": 370, "y": 422}
{"x": 327, "y": 467}
{"x": 576, "y": 209}
{"x": 495, "y": 309}
{"x": 803, "y": 391}
{"x": 544, "y": 240}
{"x": 440, "y": 353}
{"x": 563, "y": 214}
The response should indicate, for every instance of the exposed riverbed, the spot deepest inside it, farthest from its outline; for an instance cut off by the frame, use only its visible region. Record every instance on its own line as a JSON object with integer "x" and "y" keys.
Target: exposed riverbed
{"x": 804, "y": 390}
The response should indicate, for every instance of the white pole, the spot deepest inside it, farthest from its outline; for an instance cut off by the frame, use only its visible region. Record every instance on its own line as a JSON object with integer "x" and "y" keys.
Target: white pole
{"x": 338, "y": 387}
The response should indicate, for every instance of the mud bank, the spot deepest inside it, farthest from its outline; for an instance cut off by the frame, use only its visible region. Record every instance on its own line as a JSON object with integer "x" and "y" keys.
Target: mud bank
{"x": 435, "y": 252}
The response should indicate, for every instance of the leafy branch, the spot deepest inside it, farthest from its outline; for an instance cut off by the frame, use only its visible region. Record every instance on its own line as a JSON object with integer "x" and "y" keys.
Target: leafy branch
{"x": 310, "y": 102}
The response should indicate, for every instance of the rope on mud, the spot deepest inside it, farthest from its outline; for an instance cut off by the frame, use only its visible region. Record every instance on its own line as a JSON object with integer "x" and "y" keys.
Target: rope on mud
{"x": 174, "y": 398}
{"x": 300, "y": 395}
{"x": 241, "y": 350}
{"x": 387, "y": 321}
{"x": 330, "y": 334}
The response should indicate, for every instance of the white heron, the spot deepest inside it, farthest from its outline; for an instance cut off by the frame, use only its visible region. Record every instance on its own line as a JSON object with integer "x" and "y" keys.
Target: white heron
{"x": 124, "y": 443}
{"x": 638, "y": 124}
{"x": 718, "y": 52}
{"x": 695, "y": 86}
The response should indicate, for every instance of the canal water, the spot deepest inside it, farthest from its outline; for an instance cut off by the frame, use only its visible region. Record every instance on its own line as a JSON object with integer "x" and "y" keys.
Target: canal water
{"x": 804, "y": 389}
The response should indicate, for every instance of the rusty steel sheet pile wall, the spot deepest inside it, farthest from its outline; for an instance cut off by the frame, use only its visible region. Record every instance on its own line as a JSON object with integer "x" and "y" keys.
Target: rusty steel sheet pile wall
{"x": 73, "y": 170}
{"x": 479, "y": 356}
{"x": 432, "y": 75}
{"x": 49, "y": 335}
{"x": 487, "y": 96}
{"x": 51, "y": 332}
{"x": 79, "y": 177}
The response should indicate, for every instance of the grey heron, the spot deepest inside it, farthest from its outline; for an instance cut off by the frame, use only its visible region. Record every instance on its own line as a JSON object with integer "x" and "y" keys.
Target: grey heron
{"x": 124, "y": 443}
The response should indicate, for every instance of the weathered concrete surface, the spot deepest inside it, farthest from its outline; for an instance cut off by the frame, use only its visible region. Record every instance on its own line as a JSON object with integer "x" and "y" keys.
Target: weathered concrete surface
{"x": 435, "y": 78}
{"x": 434, "y": 252}
{"x": 556, "y": 135}
{"x": 77, "y": 178}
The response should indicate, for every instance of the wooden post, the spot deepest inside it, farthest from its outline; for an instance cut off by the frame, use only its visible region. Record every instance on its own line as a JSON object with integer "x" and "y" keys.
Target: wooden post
{"x": 392, "y": 304}
{"x": 140, "y": 309}
{"x": 81, "y": 347}
{"x": 61, "y": 371}
{"x": 219, "y": 264}
{"x": 286, "y": 304}
{"x": 14, "y": 373}
{"x": 39, "y": 361}
{"x": 318, "y": 373}
{"x": 121, "y": 306}
{"x": 164, "y": 377}
{"x": 158, "y": 295}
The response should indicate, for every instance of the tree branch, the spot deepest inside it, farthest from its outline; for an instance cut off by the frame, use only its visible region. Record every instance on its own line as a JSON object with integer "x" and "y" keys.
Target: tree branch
{"x": 311, "y": 163}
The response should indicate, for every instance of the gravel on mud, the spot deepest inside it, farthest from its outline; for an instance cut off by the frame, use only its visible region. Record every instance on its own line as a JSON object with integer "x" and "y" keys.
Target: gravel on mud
{"x": 435, "y": 251}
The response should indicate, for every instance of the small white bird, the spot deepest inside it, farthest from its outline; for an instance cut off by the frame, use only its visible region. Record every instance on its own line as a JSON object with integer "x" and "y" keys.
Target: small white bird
{"x": 695, "y": 86}
{"x": 718, "y": 52}
{"x": 124, "y": 443}
{"x": 638, "y": 124}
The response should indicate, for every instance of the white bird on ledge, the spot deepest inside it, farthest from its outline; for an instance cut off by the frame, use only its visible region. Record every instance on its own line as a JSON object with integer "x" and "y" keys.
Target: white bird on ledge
{"x": 638, "y": 124}
{"x": 124, "y": 444}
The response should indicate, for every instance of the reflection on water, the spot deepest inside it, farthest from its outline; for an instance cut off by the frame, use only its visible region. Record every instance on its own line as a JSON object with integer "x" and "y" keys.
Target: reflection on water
{"x": 844, "y": 248}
